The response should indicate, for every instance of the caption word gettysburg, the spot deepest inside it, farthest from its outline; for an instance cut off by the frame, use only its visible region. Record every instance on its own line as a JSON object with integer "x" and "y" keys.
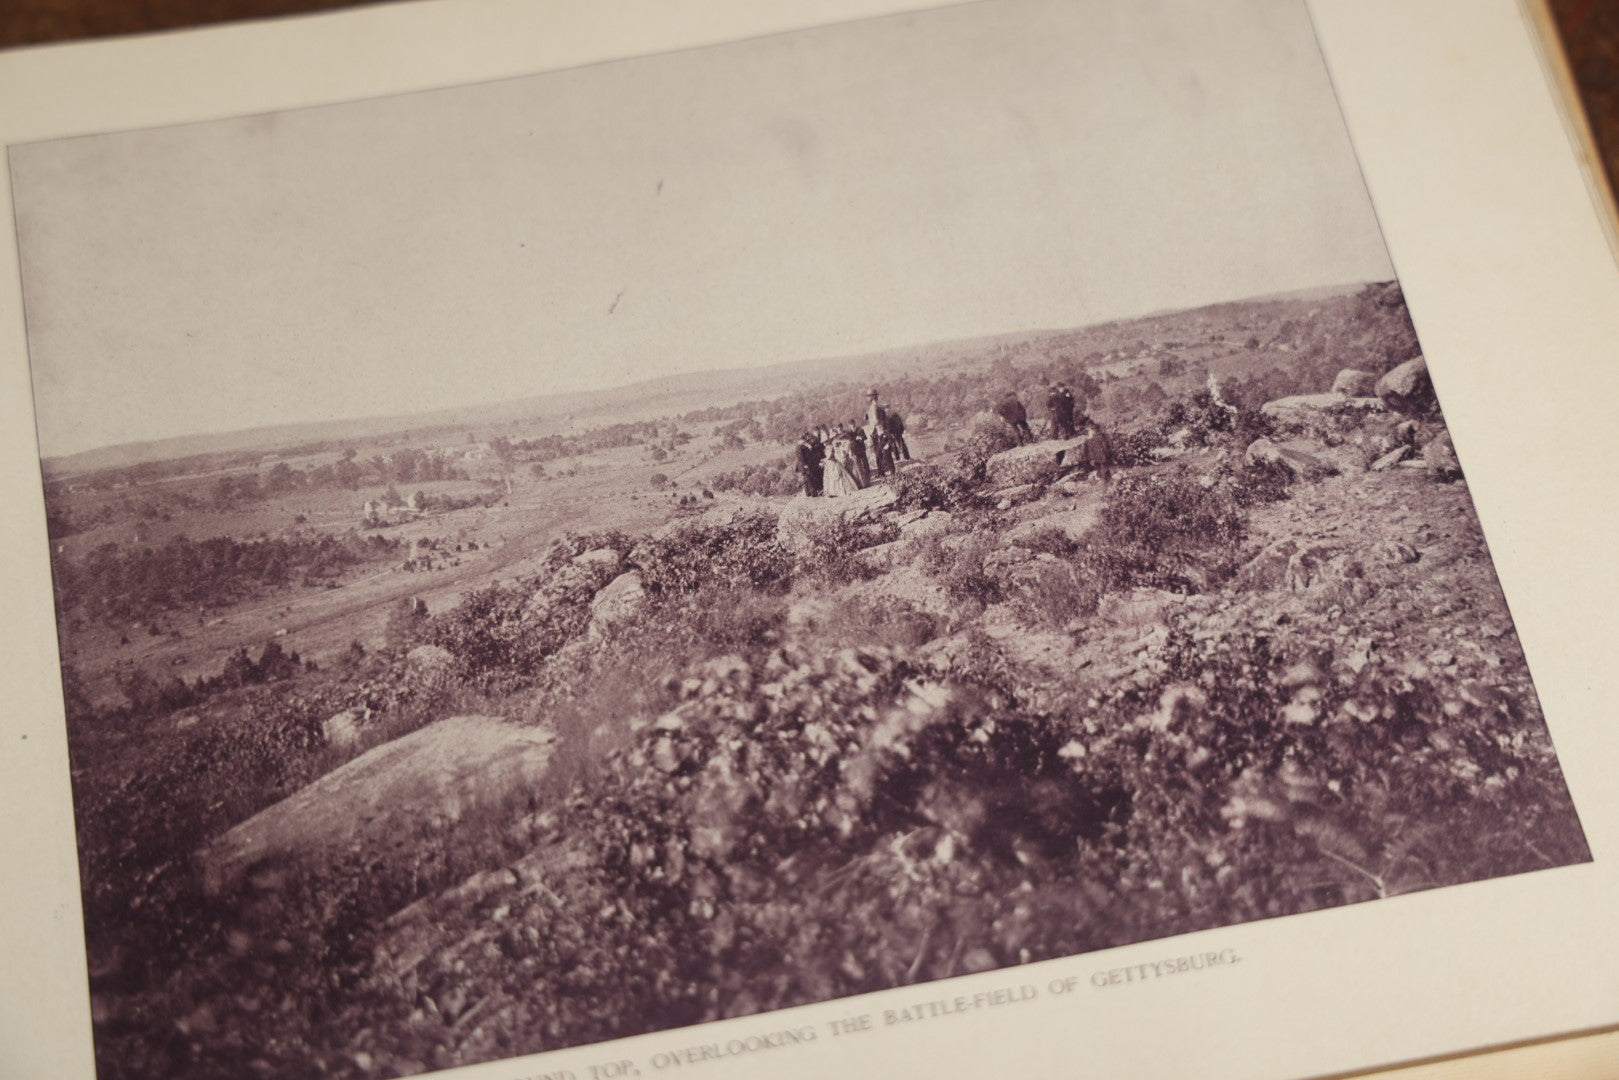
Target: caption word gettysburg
{"x": 861, "y": 1023}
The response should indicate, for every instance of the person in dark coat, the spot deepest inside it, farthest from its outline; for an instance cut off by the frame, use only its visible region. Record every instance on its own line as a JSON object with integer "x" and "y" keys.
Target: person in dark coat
{"x": 862, "y": 463}
{"x": 1060, "y": 406}
{"x": 1012, "y": 411}
{"x": 882, "y": 446}
{"x": 811, "y": 453}
{"x": 895, "y": 424}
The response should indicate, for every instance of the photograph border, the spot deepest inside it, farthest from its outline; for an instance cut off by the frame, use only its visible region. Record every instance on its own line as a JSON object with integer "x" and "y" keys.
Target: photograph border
{"x": 1447, "y": 138}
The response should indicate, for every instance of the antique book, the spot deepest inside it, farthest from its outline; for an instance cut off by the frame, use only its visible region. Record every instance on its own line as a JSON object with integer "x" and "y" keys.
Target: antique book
{"x": 858, "y": 538}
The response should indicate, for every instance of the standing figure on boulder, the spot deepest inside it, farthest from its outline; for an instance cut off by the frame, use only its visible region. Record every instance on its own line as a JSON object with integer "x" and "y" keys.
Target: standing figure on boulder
{"x": 810, "y": 454}
{"x": 896, "y": 436}
{"x": 862, "y": 463}
{"x": 1097, "y": 453}
{"x": 1060, "y": 406}
{"x": 882, "y": 448}
{"x": 1012, "y": 411}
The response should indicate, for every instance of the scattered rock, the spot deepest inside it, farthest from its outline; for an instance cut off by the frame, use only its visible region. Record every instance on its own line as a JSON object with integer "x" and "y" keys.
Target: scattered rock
{"x": 882, "y": 557}
{"x": 1352, "y": 382}
{"x": 1408, "y": 389}
{"x": 1440, "y": 456}
{"x": 1391, "y": 459}
{"x": 1137, "y": 607}
{"x": 1268, "y": 569}
{"x": 1006, "y": 498}
{"x": 1303, "y": 466}
{"x": 1394, "y": 552}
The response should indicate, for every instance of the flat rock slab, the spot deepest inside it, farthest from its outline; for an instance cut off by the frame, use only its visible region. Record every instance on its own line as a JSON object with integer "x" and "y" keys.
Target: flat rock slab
{"x": 1039, "y": 460}
{"x": 432, "y": 776}
{"x": 798, "y": 527}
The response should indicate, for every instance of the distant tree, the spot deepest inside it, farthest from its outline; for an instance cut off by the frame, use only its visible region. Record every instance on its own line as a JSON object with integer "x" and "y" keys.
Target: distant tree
{"x": 275, "y": 663}
{"x": 239, "y": 670}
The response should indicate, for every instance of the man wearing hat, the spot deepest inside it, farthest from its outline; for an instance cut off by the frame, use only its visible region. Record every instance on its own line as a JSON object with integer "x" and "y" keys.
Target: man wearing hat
{"x": 882, "y": 445}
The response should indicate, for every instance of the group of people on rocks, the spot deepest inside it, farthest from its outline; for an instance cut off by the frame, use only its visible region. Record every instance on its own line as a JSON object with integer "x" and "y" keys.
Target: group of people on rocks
{"x": 842, "y": 460}
{"x": 1060, "y": 407}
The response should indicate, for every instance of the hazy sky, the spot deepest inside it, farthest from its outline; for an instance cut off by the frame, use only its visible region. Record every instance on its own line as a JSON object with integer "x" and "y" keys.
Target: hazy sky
{"x": 1004, "y": 165}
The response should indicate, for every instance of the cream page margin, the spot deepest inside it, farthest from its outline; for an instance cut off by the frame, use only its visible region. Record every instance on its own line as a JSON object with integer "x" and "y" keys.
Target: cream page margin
{"x": 1515, "y": 295}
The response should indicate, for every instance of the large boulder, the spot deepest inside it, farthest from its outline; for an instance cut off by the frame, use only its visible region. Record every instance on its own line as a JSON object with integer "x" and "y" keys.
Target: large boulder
{"x": 619, "y": 602}
{"x": 1318, "y": 414}
{"x": 426, "y": 780}
{"x": 1041, "y": 462}
{"x": 1036, "y": 463}
{"x": 1352, "y": 382}
{"x": 1408, "y": 389}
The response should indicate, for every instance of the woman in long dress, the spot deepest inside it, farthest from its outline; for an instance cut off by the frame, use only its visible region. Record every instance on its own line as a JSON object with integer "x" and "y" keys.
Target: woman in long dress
{"x": 838, "y": 477}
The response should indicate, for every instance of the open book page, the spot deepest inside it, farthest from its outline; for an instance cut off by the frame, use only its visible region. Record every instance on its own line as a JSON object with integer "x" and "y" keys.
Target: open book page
{"x": 801, "y": 538}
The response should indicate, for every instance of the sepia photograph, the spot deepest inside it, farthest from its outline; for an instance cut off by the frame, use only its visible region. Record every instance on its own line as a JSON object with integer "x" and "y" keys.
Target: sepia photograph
{"x": 684, "y": 537}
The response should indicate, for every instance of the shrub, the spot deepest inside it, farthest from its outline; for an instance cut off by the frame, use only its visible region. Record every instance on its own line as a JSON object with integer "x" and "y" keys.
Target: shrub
{"x": 1134, "y": 447}
{"x": 986, "y": 436}
{"x": 705, "y": 554}
{"x": 1058, "y": 593}
{"x": 927, "y": 487}
{"x": 1169, "y": 529}
{"x": 957, "y": 562}
{"x": 774, "y": 478}
{"x": 833, "y": 543}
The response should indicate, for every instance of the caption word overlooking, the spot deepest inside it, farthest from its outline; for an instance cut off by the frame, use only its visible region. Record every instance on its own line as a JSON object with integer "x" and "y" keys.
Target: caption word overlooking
{"x": 899, "y": 1016}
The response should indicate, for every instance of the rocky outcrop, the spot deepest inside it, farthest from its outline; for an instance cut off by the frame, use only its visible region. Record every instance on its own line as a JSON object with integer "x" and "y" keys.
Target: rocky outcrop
{"x": 803, "y": 521}
{"x": 1318, "y": 414}
{"x": 1407, "y": 389}
{"x": 918, "y": 524}
{"x": 429, "y": 778}
{"x": 1073, "y": 523}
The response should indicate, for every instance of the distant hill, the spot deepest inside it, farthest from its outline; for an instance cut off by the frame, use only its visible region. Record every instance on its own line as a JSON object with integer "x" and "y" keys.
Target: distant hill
{"x": 674, "y": 394}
